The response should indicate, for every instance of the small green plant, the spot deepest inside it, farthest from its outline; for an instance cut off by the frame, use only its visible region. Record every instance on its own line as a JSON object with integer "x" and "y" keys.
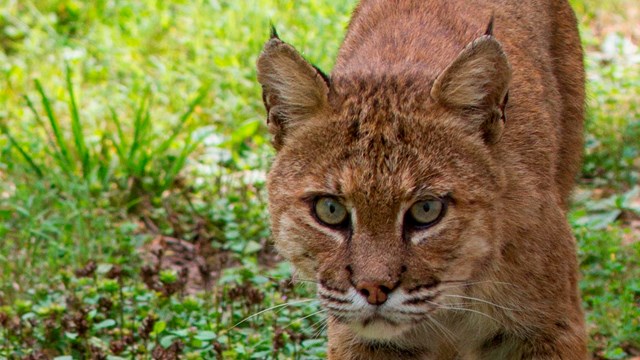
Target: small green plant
{"x": 113, "y": 310}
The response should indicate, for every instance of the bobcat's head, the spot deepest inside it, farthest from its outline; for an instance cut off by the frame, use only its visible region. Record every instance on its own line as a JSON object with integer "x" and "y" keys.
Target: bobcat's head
{"x": 384, "y": 189}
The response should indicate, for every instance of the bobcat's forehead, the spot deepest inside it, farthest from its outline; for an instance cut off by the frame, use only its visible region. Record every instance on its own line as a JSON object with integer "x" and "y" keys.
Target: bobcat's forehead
{"x": 381, "y": 155}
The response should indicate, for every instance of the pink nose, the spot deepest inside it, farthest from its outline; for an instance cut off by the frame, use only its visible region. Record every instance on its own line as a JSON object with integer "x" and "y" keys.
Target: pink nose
{"x": 376, "y": 293}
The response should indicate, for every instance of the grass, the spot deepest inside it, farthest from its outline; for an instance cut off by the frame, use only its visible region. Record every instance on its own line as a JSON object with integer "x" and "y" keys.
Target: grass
{"x": 129, "y": 124}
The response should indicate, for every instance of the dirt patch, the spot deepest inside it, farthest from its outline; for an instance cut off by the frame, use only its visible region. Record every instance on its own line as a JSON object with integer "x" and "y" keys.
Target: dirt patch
{"x": 199, "y": 263}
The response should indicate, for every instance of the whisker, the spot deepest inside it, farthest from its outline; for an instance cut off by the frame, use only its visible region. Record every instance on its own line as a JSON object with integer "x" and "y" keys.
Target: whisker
{"x": 335, "y": 308}
{"x": 409, "y": 312}
{"x": 292, "y": 280}
{"x": 325, "y": 319}
{"x": 305, "y": 280}
{"x": 322, "y": 328}
{"x": 447, "y": 334}
{"x": 480, "y": 300}
{"x": 271, "y": 308}
{"x": 420, "y": 298}
{"x": 333, "y": 297}
{"x": 431, "y": 326}
{"x": 452, "y": 281}
{"x": 440, "y": 306}
{"x": 318, "y": 326}
{"x": 466, "y": 283}
{"x": 306, "y": 317}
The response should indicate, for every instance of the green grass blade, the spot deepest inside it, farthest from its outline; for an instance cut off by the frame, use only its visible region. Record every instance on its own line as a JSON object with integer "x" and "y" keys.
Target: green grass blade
{"x": 178, "y": 164}
{"x": 139, "y": 129}
{"x": 76, "y": 128}
{"x": 104, "y": 165}
{"x": 24, "y": 154}
{"x": 143, "y": 144}
{"x": 183, "y": 119}
{"x": 39, "y": 119}
{"x": 53, "y": 149}
{"x": 121, "y": 144}
{"x": 65, "y": 162}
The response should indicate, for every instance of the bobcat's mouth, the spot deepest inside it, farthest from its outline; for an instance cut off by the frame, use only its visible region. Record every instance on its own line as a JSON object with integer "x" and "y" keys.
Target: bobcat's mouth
{"x": 400, "y": 313}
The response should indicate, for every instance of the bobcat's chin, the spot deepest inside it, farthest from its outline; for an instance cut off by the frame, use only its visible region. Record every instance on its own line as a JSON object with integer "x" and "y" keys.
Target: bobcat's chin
{"x": 379, "y": 329}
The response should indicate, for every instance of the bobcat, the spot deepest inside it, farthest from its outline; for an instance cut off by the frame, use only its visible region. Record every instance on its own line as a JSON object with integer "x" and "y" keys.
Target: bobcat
{"x": 424, "y": 184}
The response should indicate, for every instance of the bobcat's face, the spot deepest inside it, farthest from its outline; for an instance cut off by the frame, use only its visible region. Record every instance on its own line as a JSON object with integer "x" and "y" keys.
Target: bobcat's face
{"x": 384, "y": 189}
{"x": 387, "y": 216}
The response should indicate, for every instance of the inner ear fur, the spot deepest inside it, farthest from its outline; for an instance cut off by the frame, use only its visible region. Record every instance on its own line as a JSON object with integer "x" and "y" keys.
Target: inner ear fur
{"x": 293, "y": 90}
{"x": 476, "y": 83}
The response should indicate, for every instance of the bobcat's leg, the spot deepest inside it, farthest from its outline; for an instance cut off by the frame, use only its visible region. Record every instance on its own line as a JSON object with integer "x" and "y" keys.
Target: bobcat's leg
{"x": 568, "y": 345}
{"x": 565, "y": 346}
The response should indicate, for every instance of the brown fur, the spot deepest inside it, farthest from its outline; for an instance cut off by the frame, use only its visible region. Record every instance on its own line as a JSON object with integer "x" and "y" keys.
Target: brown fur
{"x": 417, "y": 107}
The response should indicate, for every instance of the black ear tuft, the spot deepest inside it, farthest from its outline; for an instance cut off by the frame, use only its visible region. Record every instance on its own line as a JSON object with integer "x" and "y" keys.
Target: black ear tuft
{"x": 489, "y": 31}
{"x": 274, "y": 32}
{"x": 294, "y": 91}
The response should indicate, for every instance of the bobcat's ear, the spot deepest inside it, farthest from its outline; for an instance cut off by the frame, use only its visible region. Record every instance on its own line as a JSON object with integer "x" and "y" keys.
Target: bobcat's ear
{"x": 293, "y": 90}
{"x": 476, "y": 83}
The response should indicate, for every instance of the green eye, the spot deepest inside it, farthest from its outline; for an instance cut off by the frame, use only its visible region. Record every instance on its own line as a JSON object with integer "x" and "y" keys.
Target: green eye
{"x": 330, "y": 211}
{"x": 427, "y": 212}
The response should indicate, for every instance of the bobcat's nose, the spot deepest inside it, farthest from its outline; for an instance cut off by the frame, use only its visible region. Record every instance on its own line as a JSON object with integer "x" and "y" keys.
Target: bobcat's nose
{"x": 375, "y": 293}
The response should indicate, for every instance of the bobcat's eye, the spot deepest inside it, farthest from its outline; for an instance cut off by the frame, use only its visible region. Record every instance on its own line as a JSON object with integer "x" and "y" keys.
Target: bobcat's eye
{"x": 330, "y": 211}
{"x": 427, "y": 212}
